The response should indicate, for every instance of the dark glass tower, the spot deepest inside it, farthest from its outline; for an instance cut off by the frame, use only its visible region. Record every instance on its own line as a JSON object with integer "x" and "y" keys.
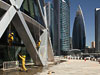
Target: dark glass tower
{"x": 97, "y": 29}
{"x": 61, "y": 40}
{"x": 56, "y": 40}
{"x": 79, "y": 36}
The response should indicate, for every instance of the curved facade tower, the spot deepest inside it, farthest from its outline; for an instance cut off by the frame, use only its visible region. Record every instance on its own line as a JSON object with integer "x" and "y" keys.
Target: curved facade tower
{"x": 79, "y": 36}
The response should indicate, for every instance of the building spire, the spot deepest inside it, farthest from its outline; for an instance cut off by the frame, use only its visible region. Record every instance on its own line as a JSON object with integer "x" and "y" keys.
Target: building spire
{"x": 79, "y": 7}
{"x": 79, "y": 11}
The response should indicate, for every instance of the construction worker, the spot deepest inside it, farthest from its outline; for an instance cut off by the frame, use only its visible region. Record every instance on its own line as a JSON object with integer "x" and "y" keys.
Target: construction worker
{"x": 23, "y": 62}
{"x": 38, "y": 44}
{"x": 10, "y": 38}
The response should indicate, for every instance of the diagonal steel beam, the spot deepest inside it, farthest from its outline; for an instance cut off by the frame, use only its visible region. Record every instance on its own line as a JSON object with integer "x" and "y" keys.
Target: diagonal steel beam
{"x": 25, "y": 34}
{"x": 50, "y": 50}
{"x": 4, "y": 5}
{"x": 43, "y": 47}
{"x": 6, "y": 19}
{"x": 17, "y": 3}
{"x": 41, "y": 13}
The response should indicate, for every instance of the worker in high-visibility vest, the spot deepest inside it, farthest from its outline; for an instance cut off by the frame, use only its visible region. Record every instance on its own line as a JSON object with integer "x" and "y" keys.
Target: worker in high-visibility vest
{"x": 23, "y": 62}
{"x": 38, "y": 44}
{"x": 10, "y": 38}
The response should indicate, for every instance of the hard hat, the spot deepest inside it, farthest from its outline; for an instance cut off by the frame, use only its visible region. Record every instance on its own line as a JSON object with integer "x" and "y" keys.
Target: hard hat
{"x": 24, "y": 56}
{"x": 12, "y": 33}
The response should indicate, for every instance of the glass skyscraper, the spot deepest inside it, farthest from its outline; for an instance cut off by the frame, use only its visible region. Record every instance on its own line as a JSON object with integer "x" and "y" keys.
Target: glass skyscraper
{"x": 62, "y": 25}
{"x": 56, "y": 40}
{"x": 97, "y": 29}
{"x": 79, "y": 36}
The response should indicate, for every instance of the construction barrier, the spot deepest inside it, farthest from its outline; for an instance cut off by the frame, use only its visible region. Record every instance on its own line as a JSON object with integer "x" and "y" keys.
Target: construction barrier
{"x": 10, "y": 65}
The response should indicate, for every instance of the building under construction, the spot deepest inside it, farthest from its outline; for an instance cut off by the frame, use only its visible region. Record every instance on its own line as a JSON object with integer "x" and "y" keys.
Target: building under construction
{"x": 27, "y": 20}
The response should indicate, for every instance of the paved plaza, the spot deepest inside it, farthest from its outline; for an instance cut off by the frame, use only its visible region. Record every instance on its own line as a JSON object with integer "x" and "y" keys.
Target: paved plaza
{"x": 75, "y": 67}
{"x": 71, "y": 67}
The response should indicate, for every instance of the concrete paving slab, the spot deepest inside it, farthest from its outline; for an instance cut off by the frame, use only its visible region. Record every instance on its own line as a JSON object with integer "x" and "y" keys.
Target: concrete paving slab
{"x": 75, "y": 67}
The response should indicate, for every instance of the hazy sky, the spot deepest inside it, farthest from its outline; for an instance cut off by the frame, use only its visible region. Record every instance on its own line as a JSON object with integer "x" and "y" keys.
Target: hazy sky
{"x": 88, "y": 8}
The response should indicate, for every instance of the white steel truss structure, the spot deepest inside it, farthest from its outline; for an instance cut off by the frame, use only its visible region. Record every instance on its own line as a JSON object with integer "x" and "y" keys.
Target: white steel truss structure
{"x": 18, "y": 18}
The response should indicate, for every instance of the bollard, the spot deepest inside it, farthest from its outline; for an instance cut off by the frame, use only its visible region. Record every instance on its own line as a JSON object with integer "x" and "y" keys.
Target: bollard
{"x": 95, "y": 59}
{"x": 84, "y": 59}
{"x": 77, "y": 58}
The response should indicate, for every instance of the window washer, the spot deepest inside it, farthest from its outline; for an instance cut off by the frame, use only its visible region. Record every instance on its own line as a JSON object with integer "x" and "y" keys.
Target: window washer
{"x": 10, "y": 38}
{"x": 38, "y": 44}
{"x": 23, "y": 62}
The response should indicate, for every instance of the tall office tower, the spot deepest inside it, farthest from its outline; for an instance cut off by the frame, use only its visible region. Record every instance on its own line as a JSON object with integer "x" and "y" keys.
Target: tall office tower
{"x": 61, "y": 26}
{"x": 97, "y": 29}
{"x": 64, "y": 26}
{"x": 56, "y": 40}
{"x": 79, "y": 36}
